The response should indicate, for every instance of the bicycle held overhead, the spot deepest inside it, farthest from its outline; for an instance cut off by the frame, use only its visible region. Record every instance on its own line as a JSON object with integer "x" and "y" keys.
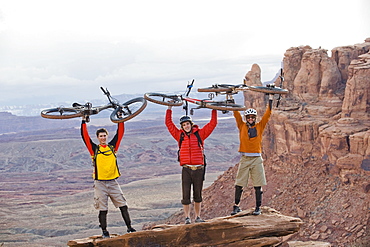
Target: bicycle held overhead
{"x": 233, "y": 89}
{"x": 121, "y": 112}
{"x": 178, "y": 100}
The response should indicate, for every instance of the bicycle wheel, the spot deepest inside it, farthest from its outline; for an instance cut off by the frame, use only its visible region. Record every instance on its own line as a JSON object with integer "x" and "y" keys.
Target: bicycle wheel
{"x": 225, "y": 106}
{"x": 61, "y": 113}
{"x": 218, "y": 88}
{"x": 164, "y": 99}
{"x": 128, "y": 110}
{"x": 269, "y": 90}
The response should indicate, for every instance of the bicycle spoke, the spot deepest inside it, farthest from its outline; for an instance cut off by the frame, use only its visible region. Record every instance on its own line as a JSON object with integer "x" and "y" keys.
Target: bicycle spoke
{"x": 164, "y": 99}
{"x": 217, "y": 88}
{"x": 128, "y": 110}
{"x": 225, "y": 106}
{"x": 268, "y": 89}
{"x": 61, "y": 113}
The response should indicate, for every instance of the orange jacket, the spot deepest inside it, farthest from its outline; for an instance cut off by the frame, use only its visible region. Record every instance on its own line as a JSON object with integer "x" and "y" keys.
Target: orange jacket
{"x": 190, "y": 152}
{"x": 251, "y": 145}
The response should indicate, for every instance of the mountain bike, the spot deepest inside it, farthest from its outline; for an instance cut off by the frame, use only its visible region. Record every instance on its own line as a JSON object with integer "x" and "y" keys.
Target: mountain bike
{"x": 121, "y": 112}
{"x": 179, "y": 100}
{"x": 233, "y": 89}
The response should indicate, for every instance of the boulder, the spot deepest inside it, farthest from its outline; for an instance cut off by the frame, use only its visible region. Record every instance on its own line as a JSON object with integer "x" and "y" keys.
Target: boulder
{"x": 243, "y": 229}
{"x": 308, "y": 244}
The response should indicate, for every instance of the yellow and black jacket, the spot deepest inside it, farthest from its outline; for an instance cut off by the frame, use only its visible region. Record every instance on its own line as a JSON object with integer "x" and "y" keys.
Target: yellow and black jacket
{"x": 103, "y": 157}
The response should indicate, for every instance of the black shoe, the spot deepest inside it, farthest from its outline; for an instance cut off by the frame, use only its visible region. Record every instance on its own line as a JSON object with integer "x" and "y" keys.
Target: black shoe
{"x": 199, "y": 220}
{"x": 105, "y": 234}
{"x": 130, "y": 229}
{"x": 187, "y": 220}
{"x": 236, "y": 210}
{"x": 257, "y": 211}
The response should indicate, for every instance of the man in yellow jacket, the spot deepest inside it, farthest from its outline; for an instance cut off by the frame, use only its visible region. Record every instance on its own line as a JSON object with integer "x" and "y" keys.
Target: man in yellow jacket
{"x": 105, "y": 174}
{"x": 250, "y": 148}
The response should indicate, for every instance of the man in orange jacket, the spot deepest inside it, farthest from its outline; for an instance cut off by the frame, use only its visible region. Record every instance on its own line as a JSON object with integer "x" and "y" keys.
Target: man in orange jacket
{"x": 251, "y": 162}
{"x": 191, "y": 157}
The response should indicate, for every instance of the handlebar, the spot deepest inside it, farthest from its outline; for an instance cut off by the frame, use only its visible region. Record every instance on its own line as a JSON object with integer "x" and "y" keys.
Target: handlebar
{"x": 281, "y": 76}
{"x": 105, "y": 91}
{"x": 190, "y": 85}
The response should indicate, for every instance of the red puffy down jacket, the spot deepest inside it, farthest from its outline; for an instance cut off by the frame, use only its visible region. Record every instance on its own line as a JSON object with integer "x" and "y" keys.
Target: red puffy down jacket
{"x": 190, "y": 152}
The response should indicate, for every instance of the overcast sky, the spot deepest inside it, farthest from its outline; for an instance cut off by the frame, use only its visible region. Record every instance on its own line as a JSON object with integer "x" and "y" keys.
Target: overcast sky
{"x": 53, "y": 50}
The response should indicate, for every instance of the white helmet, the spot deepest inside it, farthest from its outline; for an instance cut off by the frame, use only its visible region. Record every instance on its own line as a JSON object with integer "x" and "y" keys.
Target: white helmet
{"x": 250, "y": 111}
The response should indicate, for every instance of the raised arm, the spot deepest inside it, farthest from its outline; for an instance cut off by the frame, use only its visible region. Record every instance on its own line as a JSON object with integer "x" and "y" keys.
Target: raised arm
{"x": 86, "y": 138}
{"x": 238, "y": 119}
{"x": 266, "y": 116}
{"x": 174, "y": 131}
{"x": 209, "y": 127}
{"x": 116, "y": 141}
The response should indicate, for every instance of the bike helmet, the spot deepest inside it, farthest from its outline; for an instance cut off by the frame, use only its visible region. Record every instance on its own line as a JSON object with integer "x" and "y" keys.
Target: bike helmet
{"x": 250, "y": 111}
{"x": 186, "y": 119}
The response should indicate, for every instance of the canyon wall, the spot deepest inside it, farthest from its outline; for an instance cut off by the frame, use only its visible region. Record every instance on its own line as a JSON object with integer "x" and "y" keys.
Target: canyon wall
{"x": 316, "y": 147}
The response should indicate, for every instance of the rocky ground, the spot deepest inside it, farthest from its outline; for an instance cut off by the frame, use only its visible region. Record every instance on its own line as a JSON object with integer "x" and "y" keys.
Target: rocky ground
{"x": 316, "y": 151}
{"x": 46, "y": 183}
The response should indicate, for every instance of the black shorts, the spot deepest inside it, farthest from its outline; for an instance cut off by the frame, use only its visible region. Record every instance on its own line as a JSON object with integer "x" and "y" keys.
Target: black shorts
{"x": 191, "y": 177}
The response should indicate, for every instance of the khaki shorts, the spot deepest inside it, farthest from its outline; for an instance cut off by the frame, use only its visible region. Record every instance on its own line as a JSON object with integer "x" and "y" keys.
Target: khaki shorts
{"x": 250, "y": 167}
{"x": 108, "y": 188}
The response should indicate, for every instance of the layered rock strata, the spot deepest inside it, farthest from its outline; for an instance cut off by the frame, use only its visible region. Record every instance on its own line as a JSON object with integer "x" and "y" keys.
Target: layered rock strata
{"x": 243, "y": 229}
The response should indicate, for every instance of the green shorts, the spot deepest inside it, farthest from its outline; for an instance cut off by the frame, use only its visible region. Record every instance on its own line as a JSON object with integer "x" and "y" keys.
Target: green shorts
{"x": 107, "y": 188}
{"x": 250, "y": 167}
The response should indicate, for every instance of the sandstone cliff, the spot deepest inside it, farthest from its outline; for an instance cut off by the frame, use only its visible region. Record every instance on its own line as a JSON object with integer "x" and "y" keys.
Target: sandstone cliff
{"x": 316, "y": 147}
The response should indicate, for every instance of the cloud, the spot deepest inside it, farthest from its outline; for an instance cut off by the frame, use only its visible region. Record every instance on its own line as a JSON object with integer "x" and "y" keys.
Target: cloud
{"x": 66, "y": 50}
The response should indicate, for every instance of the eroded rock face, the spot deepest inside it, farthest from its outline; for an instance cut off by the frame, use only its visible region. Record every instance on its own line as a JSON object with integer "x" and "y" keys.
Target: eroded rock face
{"x": 316, "y": 147}
{"x": 243, "y": 229}
{"x": 345, "y": 54}
{"x": 316, "y": 150}
{"x": 317, "y": 76}
{"x": 328, "y": 121}
{"x": 356, "y": 103}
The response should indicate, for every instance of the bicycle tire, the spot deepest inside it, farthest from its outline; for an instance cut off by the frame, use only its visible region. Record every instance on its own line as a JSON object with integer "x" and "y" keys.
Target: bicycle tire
{"x": 130, "y": 109}
{"x": 225, "y": 106}
{"x": 217, "y": 88}
{"x": 268, "y": 90}
{"x": 164, "y": 99}
{"x": 61, "y": 113}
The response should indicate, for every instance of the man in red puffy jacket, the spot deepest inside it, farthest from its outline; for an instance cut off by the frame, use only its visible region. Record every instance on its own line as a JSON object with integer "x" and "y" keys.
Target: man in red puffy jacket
{"x": 191, "y": 138}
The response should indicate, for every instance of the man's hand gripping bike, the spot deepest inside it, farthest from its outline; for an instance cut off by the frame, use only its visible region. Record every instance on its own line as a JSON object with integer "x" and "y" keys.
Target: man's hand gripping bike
{"x": 121, "y": 112}
{"x": 179, "y": 100}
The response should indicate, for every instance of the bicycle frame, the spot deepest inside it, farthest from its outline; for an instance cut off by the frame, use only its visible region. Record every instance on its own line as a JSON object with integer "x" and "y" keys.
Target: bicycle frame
{"x": 179, "y": 100}
{"x": 121, "y": 112}
{"x": 202, "y": 103}
{"x": 234, "y": 89}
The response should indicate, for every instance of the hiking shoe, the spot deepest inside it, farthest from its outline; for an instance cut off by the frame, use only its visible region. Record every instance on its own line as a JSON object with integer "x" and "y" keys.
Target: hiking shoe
{"x": 105, "y": 234}
{"x": 130, "y": 229}
{"x": 187, "y": 220}
{"x": 257, "y": 211}
{"x": 199, "y": 220}
{"x": 236, "y": 210}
